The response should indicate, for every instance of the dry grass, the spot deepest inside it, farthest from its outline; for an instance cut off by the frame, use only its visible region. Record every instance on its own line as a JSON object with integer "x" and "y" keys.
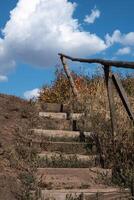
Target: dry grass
{"x": 17, "y": 157}
{"x": 94, "y": 103}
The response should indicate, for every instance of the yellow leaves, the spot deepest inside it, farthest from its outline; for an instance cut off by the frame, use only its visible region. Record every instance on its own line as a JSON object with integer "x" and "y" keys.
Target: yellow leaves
{"x": 94, "y": 88}
{"x": 60, "y": 90}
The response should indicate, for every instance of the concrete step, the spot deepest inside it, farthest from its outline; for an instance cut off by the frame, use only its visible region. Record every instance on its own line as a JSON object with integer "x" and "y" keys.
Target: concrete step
{"x": 60, "y": 160}
{"x": 75, "y": 116}
{"x": 122, "y": 195}
{"x": 72, "y": 178}
{"x": 59, "y": 124}
{"x": 83, "y": 148}
{"x": 69, "y": 147}
{"x": 53, "y": 115}
{"x": 56, "y": 135}
{"x": 109, "y": 193}
{"x": 60, "y": 115}
{"x": 60, "y": 135}
{"x": 54, "y": 107}
{"x": 55, "y": 124}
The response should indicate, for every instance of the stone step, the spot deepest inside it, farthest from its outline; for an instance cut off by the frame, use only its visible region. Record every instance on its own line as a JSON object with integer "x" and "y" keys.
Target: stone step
{"x": 82, "y": 148}
{"x": 56, "y": 135}
{"x": 54, "y": 107}
{"x": 69, "y": 147}
{"x": 122, "y": 195}
{"x": 60, "y": 115}
{"x": 60, "y": 135}
{"x": 72, "y": 178}
{"x": 57, "y": 107}
{"x": 59, "y": 124}
{"x": 53, "y": 115}
{"x": 60, "y": 160}
{"x": 109, "y": 193}
{"x": 55, "y": 124}
{"x": 75, "y": 116}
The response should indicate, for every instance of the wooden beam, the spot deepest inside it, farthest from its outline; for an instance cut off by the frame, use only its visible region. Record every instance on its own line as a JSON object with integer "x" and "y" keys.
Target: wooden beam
{"x": 109, "y": 83}
{"x": 118, "y": 64}
{"x": 123, "y": 96}
{"x": 69, "y": 76}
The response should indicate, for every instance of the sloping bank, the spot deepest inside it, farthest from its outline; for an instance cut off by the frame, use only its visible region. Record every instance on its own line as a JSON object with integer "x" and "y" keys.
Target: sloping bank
{"x": 16, "y": 155}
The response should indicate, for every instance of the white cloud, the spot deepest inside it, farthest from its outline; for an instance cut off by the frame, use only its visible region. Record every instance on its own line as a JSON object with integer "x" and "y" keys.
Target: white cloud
{"x": 3, "y": 78}
{"x": 118, "y": 37}
{"x": 6, "y": 61}
{"x": 32, "y": 94}
{"x": 128, "y": 39}
{"x": 124, "y": 51}
{"x": 90, "y": 19}
{"x": 38, "y": 30}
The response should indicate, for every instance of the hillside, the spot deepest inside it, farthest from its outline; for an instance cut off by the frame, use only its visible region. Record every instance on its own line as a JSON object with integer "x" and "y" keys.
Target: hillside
{"x": 18, "y": 152}
{"x": 15, "y": 119}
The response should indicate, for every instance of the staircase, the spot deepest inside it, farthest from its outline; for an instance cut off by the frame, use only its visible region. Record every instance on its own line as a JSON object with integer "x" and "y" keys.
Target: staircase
{"x": 68, "y": 167}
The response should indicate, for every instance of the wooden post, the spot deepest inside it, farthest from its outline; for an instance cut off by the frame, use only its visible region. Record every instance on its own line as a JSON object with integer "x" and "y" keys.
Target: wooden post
{"x": 69, "y": 76}
{"x": 122, "y": 93}
{"x": 109, "y": 82}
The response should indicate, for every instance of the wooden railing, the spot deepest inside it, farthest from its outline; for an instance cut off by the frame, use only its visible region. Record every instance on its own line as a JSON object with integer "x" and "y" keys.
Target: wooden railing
{"x": 110, "y": 79}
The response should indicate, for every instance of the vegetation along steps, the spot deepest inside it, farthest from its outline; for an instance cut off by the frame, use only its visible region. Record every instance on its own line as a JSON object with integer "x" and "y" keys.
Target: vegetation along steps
{"x": 68, "y": 164}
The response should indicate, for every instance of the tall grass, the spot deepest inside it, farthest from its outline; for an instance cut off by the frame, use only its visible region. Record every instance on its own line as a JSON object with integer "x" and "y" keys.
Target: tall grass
{"x": 94, "y": 103}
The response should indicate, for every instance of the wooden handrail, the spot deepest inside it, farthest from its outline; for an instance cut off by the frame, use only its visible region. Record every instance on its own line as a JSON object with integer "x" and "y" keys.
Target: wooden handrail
{"x": 119, "y": 64}
{"x": 109, "y": 78}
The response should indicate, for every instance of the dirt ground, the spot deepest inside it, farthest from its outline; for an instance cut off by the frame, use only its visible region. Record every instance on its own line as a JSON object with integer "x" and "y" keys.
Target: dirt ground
{"x": 15, "y": 117}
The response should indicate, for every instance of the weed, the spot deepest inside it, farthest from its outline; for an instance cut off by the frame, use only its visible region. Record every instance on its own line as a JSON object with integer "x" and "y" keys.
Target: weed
{"x": 75, "y": 197}
{"x": 60, "y": 161}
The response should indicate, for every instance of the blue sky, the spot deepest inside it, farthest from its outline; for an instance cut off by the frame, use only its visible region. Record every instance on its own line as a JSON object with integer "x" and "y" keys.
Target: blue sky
{"x": 31, "y": 62}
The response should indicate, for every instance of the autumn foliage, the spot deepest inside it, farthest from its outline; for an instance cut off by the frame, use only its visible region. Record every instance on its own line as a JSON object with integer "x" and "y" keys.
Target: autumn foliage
{"x": 61, "y": 92}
